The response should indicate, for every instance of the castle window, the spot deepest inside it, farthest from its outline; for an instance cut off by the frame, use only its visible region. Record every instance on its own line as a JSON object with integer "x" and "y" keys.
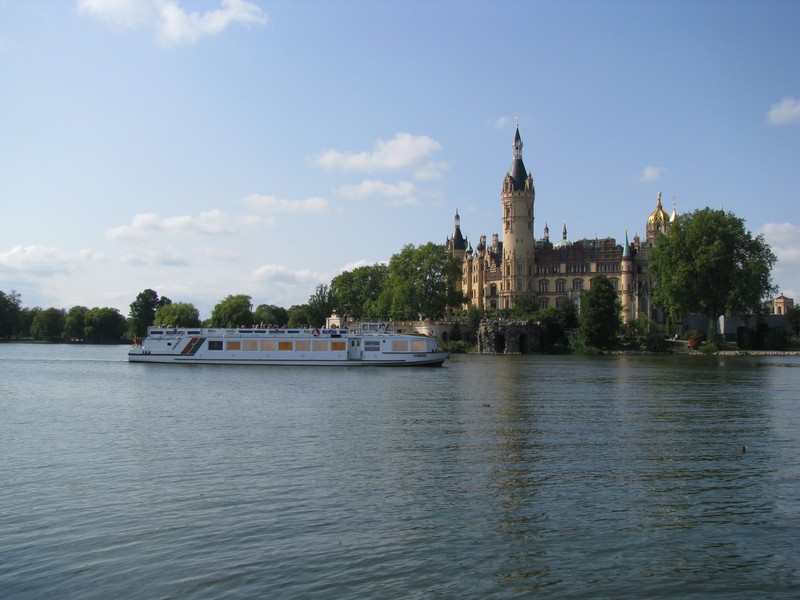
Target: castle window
{"x": 519, "y": 270}
{"x": 544, "y": 302}
{"x": 519, "y": 286}
{"x": 615, "y": 283}
{"x": 544, "y": 286}
{"x": 561, "y": 285}
{"x": 577, "y": 285}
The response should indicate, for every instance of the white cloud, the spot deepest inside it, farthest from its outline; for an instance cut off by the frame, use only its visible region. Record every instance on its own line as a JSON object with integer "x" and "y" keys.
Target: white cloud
{"x": 280, "y": 274}
{"x": 212, "y": 223}
{"x": 273, "y": 205}
{"x": 172, "y": 24}
{"x": 501, "y": 122}
{"x": 163, "y": 257}
{"x": 785, "y": 112}
{"x": 784, "y": 238}
{"x": 394, "y": 194}
{"x": 404, "y": 151}
{"x": 652, "y": 173}
{"x": 44, "y": 260}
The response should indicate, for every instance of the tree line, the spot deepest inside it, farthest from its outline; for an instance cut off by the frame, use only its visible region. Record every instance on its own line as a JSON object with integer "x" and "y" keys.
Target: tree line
{"x": 418, "y": 283}
{"x": 708, "y": 264}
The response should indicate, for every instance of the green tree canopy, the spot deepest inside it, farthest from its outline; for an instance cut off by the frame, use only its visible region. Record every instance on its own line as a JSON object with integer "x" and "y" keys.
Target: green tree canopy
{"x": 26, "y": 317}
{"x": 233, "y": 311}
{"x": 75, "y": 323}
{"x": 179, "y": 314}
{"x": 600, "y": 314}
{"x": 421, "y": 284}
{"x": 48, "y": 325}
{"x": 298, "y": 316}
{"x": 356, "y": 292}
{"x": 319, "y": 306}
{"x": 143, "y": 311}
{"x": 104, "y": 326}
{"x": 710, "y": 264}
{"x": 793, "y": 319}
{"x": 10, "y": 308}
{"x": 269, "y": 314}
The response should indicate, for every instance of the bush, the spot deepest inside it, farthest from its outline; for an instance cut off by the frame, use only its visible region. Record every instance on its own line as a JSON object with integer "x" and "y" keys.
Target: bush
{"x": 694, "y": 340}
{"x": 457, "y": 347}
{"x": 655, "y": 342}
{"x": 579, "y": 344}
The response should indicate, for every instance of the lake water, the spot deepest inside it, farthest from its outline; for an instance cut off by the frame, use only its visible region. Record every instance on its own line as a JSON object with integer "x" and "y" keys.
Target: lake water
{"x": 493, "y": 477}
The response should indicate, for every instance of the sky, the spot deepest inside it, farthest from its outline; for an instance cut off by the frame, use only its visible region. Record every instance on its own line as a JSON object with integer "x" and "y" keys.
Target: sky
{"x": 213, "y": 147}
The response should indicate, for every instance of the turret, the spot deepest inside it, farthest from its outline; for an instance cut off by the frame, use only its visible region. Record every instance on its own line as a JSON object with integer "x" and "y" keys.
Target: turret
{"x": 626, "y": 287}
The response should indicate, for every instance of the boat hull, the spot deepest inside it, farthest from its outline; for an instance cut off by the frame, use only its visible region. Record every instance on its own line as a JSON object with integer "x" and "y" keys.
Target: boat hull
{"x": 428, "y": 360}
{"x": 369, "y": 346}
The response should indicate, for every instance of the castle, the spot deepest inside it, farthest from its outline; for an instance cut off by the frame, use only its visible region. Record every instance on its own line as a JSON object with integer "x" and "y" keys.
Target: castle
{"x": 497, "y": 275}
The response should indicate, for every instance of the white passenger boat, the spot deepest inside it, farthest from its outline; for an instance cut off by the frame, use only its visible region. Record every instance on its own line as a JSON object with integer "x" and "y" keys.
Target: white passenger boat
{"x": 371, "y": 344}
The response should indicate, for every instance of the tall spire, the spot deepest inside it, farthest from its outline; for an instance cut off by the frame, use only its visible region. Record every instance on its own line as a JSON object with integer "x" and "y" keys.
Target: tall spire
{"x": 626, "y": 251}
{"x": 518, "y": 173}
{"x": 458, "y": 242}
{"x": 517, "y": 145}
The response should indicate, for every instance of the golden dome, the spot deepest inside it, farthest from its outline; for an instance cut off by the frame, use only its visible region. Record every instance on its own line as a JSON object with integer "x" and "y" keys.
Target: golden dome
{"x": 659, "y": 216}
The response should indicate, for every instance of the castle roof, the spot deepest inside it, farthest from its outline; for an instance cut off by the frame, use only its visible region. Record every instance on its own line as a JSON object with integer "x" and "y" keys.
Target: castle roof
{"x": 458, "y": 239}
{"x": 518, "y": 173}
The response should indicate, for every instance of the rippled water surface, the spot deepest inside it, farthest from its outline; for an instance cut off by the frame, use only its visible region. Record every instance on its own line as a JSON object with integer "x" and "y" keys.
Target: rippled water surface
{"x": 493, "y": 477}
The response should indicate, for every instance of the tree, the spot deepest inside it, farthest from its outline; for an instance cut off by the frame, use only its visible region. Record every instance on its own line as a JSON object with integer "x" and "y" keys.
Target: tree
{"x": 421, "y": 283}
{"x": 269, "y": 314}
{"x": 9, "y": 314}
{"x": 26, "y": 317}
{"x": 553, "y": 323}
{"x": 179, "y": 314}
{"x": 298, "y": 316}
{"x": 48, "y": 325}
{"x": 710, "y": 264}
{"x": 104, "y": 326}
{"x": 233, "y": 311}
{"x": 793, "y": 319}
{"x": 600, "y": 314}
{"x": 356, "y": 292}
{"x": 143, "y": 311}
{"x": 75, "y": 323}
{"x": 319, "y": 306}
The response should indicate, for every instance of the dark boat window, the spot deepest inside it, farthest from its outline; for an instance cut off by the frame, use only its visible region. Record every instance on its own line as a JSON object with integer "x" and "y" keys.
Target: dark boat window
{"x": 215, "y": 344}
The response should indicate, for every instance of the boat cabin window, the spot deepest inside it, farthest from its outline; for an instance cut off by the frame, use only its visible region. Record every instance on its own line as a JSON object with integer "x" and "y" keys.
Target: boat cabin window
{"x": 215, "y": 344}
{"x": 418, "y": 346}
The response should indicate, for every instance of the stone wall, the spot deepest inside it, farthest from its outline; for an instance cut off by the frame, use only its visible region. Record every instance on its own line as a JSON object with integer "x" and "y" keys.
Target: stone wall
{"x": 508, "y": 337}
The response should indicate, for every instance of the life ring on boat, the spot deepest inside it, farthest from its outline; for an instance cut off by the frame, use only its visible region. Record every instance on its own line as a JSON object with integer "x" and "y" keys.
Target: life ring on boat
{"x": 315, "y": 332}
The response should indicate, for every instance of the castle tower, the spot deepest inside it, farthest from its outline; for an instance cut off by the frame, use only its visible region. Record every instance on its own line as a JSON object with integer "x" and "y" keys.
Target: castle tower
{"x": 517, "y": 198}
{"x": 626, "y": 282}
{"x": 456, "y": 244}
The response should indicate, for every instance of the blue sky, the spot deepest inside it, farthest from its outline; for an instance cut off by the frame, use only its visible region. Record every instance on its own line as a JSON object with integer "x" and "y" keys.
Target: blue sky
{"x": 209, "y": 148}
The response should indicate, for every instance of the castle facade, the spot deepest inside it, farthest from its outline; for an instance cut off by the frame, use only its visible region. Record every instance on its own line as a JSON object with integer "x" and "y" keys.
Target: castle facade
{"x": 499, "y": 274}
